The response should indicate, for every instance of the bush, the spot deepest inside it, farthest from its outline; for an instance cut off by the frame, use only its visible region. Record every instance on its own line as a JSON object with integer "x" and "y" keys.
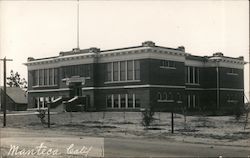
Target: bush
{"x": 41, "y": 115}
{"x": 238, "y": 111}
{"x": 147, "y": 117}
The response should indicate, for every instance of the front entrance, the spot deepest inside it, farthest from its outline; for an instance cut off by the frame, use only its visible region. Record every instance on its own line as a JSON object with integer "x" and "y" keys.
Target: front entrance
{"x": 75, "y": 89}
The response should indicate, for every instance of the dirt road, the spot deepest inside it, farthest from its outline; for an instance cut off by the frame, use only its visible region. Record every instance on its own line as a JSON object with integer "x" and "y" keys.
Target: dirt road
{"x": 113, "y": 147}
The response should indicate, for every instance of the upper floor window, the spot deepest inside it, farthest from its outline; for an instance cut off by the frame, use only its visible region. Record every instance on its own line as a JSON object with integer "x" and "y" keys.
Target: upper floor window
{"x": 82, "y": 70}
{"x": 115, "y": 71}
{"x": 192, "y": 75}
{"x": 45, "y": 77}
{"x": 168, "y": 64}
{"x": 232, "y": 71}
{"x": 123, "y": 71}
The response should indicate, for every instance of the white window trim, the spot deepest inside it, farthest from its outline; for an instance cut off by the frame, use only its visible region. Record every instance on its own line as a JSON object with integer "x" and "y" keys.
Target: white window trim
{"x": 133, "y": 101}
{"x": 48, "y": 76}
{"x": 126, "y": 70}
{"x": 194, "y": 101}
{"x": 232, "y": 101}
{"x": 189, "y": 101}
{"x": 112, "y": 71}
{"x": 189, "y": 82}
{"x": 119, "y": 102}
{"x": 53, "y": 76}
{"x": 126, "y": 100}
{"x": 119, "y": 72}
{"x": 165, "y": 101}
{"x": 166, "y": 67}
{"x": 233, "y": 74}
{"x": 112, "y": 101}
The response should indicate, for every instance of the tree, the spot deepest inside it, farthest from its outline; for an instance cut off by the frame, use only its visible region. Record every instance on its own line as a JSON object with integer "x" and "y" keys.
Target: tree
{"x": 15, "y": 80}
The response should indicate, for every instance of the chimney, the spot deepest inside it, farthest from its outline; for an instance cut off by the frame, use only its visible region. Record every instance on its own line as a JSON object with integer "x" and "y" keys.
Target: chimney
{"x": 241, "y": 57}
{"x": 181, "y": 48}
{"x": 30, "y": 59}
{"x": 76, "y": 50}
{"x": 148, "y": 44}
{"x": 94, "y": 50}
{"x": 218, "y": 54}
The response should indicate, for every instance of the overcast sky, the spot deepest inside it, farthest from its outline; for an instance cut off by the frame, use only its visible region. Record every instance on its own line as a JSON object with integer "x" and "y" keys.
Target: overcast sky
{"x": 44, "y": 28}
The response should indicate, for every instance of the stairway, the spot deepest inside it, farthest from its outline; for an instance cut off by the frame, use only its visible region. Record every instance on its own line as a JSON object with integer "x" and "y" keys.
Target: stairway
{"x": 75, "y": 104}
{"x": 56, "y": 105}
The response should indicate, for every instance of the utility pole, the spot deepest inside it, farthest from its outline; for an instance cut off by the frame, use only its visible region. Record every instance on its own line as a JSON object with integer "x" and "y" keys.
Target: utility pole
{"x": 4, "y": 89}
{"x": 249, "y": 60}
{"x": 49, "y": 114}
{"x": 172, "y": 122}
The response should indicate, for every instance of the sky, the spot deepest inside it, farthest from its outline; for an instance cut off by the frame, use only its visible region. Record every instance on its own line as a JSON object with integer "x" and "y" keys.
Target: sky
{"x": 44, "y": 28}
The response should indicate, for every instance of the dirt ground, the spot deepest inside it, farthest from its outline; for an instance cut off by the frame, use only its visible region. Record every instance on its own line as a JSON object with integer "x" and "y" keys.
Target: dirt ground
{"x": 219, "y": 130}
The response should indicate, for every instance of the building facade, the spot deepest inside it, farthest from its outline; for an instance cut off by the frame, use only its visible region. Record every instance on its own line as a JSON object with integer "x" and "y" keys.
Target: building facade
{"x": 136, "y": 78}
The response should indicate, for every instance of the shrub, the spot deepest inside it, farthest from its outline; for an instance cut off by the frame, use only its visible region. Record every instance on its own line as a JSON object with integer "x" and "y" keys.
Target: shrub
{"x": 147, "y": 117}
{"x": 41, "y": 115}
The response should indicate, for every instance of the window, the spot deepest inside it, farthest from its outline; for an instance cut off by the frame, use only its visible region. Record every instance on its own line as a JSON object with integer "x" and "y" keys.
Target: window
{"x": 116, "y": 101}
{"x": 87, "y": 70}
{"x": 192, "y": 75}
{"x": 55, "y": 76}
{"x": 130, "y": 70}
{"x": 41, "y": 78}
{"x": 137, "y": 102}
{"x": 109, "y": 72}
{"x": 165, "y": 96}
{"x": 232, "y": 72}
{"x": 168, "y": 64}
{"x": 46, "y": 77}
{"x": 232, "y": 98}
{"x": 130, "y": 100}
{"x": 137, "y": 69}
{"x": 82, "y": 70}
{"x": 51, "y": 76}
{"x": 115, "y": 71}
{"x": 179, "y": 98}
{"x": 192, "y": 101}
{"x": 109, "y": 101}
{"x": 159, "y": 96}
{"x": 122, "y": 71}
{"x": 123, "y": 100}
{"x": 36, "y": 77}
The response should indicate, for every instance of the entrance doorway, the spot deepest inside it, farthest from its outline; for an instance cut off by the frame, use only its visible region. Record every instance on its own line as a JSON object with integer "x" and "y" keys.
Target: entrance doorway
{"x": 75, "y": 89}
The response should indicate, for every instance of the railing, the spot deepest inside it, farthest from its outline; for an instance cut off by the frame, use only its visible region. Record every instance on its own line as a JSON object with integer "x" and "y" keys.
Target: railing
{"x": 74, "y": 104}
{"x": 57, "y": 102}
